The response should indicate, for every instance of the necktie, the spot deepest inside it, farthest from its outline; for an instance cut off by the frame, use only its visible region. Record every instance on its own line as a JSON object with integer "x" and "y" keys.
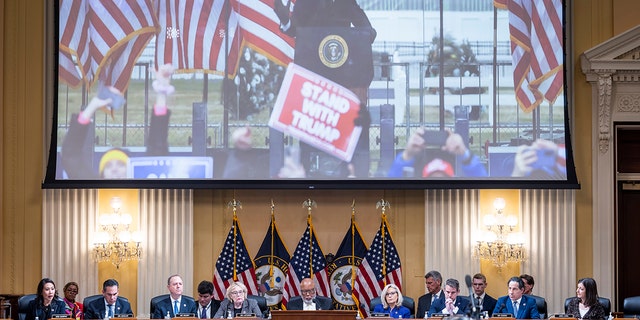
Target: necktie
{"x": 110, "y": 311}
{"x": 434, "y": 298}
{"x": 515, "y": 308}
{"x": 478, "y": 304}
{"x": 203, "y": 315}
{"x": 175, "y": 307}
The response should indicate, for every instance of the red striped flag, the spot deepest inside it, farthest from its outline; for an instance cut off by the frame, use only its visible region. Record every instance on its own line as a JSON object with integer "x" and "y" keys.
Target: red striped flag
{"x": 208, "y": 35}
{"x": 535, "y": 28}
{"x": 307, "y": 260}
{"x": 234, "y": 264}
{"x": 198, "y": 35}
{"x": 381, "y": 266}
{"x": 102, "y": 40}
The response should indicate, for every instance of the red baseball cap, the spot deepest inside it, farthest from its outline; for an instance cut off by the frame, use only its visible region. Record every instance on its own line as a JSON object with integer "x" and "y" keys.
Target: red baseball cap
{"x": 437, "y": 165}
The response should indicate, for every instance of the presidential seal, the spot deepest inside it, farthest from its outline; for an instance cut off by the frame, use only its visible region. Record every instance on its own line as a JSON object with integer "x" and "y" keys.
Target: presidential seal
{"x": 333, "y": 51}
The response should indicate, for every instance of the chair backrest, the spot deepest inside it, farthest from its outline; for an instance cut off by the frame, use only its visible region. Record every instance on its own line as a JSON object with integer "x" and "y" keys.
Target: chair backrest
{"x": 91, "y": 299}
{"x": 23, "y": 304}
{"x": 541, "y": 303}
{"x": 406, "y": 302}
{"x": 154, "y": 301}
{"x": 262, "y": 303}
{"x": 605, "y": 302}
{"x": 631, "y": 306}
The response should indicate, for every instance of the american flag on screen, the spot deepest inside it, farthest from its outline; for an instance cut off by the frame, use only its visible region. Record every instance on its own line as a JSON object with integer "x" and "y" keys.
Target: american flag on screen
{"x": 535, "y": 28}
{"x": 208, "y": 35}
{"x": 234, "y": 264}
{"x": 307, "y": 260}
{"x": 102, "y": 40}
{"x": 381, "y": 266}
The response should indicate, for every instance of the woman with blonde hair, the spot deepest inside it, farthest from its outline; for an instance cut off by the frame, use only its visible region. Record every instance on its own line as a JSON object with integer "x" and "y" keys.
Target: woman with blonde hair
{"x": 237, "y": 302}
{"x": 391, "y": 298}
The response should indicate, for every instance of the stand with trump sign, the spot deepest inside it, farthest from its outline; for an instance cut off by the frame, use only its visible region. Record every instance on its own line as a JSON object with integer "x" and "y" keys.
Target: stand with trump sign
{"x": 317, "y": 111}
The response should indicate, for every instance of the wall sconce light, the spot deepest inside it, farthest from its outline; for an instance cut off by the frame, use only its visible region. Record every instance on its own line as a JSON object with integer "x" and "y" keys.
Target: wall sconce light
{"x": 115, "y": 243}
{"x": 499, "y": 243}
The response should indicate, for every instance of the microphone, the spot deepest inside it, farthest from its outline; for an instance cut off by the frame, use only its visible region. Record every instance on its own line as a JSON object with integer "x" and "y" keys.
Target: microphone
{"x": 474, "y": 310}
{"x": 502, "y": 307}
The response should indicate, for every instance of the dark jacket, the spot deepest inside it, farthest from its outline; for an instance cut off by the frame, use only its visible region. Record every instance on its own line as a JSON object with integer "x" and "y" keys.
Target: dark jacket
{"x": 322, "y": 303}
{"x": 164, "y": 306}
{"x": 97, "y": 308}
{"x": 596, "y": 311}
{"x": 36, "y": 309}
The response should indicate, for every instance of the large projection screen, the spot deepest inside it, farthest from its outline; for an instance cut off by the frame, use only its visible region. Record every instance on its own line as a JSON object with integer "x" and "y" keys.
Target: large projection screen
{"x": 409, "y": 94}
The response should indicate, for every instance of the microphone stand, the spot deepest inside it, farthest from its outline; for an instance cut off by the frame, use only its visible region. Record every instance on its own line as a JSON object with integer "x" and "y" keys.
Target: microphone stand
{"x": 475, "y": 311}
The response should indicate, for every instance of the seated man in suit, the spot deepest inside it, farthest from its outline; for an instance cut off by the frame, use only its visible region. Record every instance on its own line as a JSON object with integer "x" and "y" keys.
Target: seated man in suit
{"x": 176, "y": 303}
{"x": 207, "y": 306}
{"x": 309, "y": 300}
{"x": 237, "y": 302}
{"x": 483, "y": 301}
{"x": 110, "y": 306}
{"x": 516, "y": 303}
{"x": 451, "y": 303}
{"x": 433, "y": 282}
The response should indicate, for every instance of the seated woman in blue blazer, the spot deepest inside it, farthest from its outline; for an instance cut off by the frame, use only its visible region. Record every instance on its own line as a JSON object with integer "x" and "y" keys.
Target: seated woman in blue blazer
{"x": 47, "y": 302}
{"x": 392, "y": 303}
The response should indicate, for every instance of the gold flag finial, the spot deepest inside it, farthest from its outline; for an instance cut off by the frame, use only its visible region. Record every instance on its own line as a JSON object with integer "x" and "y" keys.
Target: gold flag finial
{"x": 383, "y": 204}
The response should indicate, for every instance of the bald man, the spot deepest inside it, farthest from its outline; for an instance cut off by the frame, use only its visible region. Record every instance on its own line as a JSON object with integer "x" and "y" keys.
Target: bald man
{"x": 309, "y": 300}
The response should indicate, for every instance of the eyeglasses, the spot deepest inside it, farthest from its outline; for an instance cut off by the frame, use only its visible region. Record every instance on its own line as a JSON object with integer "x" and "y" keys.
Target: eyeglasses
{"x": 391, "y": 293}
{"x": 236, "y": 293}
{"x": 310, "y": 291}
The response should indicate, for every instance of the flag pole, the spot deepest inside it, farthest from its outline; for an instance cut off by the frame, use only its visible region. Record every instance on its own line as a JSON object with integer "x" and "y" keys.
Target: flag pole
{"x": 273, "y": 221}
{"x": 309, "y": 204}
{"x": 235, "y": 205}
{"x": 383, "y": 204}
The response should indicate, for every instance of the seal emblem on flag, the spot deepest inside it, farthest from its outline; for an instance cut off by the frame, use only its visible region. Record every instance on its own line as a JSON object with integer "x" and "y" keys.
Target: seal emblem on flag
{"x": 333, "y": 51}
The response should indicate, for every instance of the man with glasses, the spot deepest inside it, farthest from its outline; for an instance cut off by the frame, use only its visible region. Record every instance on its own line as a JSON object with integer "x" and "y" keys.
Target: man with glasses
{"x": 308, "y": 300}
{"x": 175, "y": 303}
{"x": 110, "y": 306}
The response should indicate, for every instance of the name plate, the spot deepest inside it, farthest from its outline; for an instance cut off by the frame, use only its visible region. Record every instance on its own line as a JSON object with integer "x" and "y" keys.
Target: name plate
{"x": 379, "y": 315}
{"x": 123, "y": 315}
{"x": 60, "y": 316}
{"x": 440, "y": 315}
{"x": 502, "y": 315}
{"x": 185, "y": 315}
{"x": 245, "y": 315}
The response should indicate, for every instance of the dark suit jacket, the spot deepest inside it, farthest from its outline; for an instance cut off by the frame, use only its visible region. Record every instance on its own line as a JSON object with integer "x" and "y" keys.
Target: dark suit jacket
{"x": 526, "y": 310}
{"x": 248, "y": 306}
{"x": 596, "y": 311}
{"x": 463, "y": 304}
{"x": 424, "y": 303}
{"x": 187, "y": 305}
{"x": 213, "y": 308}
{"x": 36, "y": 309}
{"x": 322, "y": 303}
{"x": 97, "y": 308}
{"x": 488, "y": 303}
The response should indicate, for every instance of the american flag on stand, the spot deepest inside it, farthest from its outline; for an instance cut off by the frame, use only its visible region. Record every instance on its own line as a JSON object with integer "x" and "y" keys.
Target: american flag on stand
{"x": 307, "y": 260}
{"x": 208, "y": 35}
{"x": 535, "y": 28}
{"x": 381, "y": 266}
{"x": 234, "y": 264}
{"x": 102, "y": 40}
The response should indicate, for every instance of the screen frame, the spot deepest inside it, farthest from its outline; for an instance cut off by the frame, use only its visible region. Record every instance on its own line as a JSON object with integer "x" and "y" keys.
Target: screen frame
{"x": 50, "y": 122}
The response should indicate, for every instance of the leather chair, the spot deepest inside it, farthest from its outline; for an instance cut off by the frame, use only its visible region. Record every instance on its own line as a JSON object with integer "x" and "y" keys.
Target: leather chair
{"x": 90, "y": 299}
{"x": 154, "y": 301}
{"x": 631, "y": 307}
{"x": 23, "y": 304}
{"x": 541, "y": 303}
{"x": 605, "y": 302}
{"x": 406, "y": 302}
{"x": 262, "y": 303}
